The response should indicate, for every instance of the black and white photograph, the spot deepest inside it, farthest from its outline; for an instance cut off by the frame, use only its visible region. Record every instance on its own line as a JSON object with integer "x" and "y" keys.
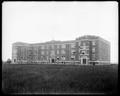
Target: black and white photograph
{"x": 60, "y": 47}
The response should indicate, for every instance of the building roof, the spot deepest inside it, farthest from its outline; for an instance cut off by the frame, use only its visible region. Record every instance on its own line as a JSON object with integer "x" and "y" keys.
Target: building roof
{"x": 20, "y": 43}
{"x": 91, "y": 37}
{"x": 87, "y": 37}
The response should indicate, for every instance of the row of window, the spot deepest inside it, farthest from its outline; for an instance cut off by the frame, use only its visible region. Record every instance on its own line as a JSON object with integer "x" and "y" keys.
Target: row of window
{"x": 85, "y": 43}
{"x": 58, "y": 46}
{"x": 64, "y": 46}
{"x": 42, "y": 57}
{"x": 63, "y": 51}
{"x": 53, "y": 52}
{"x": 72, "y": 57}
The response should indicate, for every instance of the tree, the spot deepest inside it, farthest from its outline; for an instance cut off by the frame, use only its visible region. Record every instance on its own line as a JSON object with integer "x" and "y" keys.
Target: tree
{"x": 9, "y": 61}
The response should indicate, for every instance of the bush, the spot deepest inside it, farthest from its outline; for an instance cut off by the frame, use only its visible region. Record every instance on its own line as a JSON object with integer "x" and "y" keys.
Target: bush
{"x": 9, "y": 61}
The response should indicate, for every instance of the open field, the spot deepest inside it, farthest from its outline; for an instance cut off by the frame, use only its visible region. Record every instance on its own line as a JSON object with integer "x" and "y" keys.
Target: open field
{"x": 49, "y": 78}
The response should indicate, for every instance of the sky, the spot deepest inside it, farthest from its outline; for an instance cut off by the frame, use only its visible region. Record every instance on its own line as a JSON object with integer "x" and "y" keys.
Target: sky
{"x": 36, "y": 22}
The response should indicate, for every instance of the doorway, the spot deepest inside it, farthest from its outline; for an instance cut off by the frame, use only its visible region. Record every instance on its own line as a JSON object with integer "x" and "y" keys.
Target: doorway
{"x": 84, "y": 61}
{"x": 53, "y": 61}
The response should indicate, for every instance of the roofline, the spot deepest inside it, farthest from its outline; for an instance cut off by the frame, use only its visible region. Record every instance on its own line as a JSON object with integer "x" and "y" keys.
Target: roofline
{"x": 64, "y": 42}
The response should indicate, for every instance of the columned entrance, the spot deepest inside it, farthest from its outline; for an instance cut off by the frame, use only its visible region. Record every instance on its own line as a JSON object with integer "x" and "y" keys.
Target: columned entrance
{"x": 52, "y": 60}
{"x": 84, "y": 60}
{"x": 52, "y": 57}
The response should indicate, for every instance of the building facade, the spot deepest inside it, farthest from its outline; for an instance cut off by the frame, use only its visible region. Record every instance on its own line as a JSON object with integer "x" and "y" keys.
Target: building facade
{"x": 83, "y": 50}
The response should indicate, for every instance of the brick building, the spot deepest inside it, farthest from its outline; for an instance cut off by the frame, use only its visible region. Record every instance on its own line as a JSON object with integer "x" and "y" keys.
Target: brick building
{"x": 82, "y": 50}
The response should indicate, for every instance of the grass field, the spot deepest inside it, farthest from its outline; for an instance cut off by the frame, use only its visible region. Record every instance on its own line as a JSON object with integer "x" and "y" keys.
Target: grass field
{"x": 49, "y": 78}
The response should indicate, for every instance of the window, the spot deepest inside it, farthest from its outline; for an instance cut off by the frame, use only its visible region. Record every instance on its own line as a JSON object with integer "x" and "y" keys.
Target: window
{"x": 93, "y": 56}
{"x": 72, "y": 51}
{"x": 62, "y": 51}
{"x": 47, "y": 52}
{"x": 57, "y": 46}
{"x": 42, "y": 57}
{"x": 63, "y": 46}
{"x": 57, "y": 58}
{"x": 42, "y": 47}
{"x": 42, "y": 52}
{"x": 47, "y": 47}
{"x": 52, "y": 46}
{"x": 93, "y": 49}
{"x": 14, "y": 51}
{"x": 83, "y": 52}
{"x": 73, "y": 45}
{"x": 47, "y": 58}
{"x": 79, "y": 43}
{"x": 84, "y": 44}
{"x": 72, "y": 57}
{"x": 85, "y": 47}
{"x": 93, "y": 43}
{"x": 52, "y": 52}
{"x": 63, "y": 57}
{"x": 57, "y": 51}
{"x": 87, "y": 51}
{"x": 14, "y": 60}
{"x": 79, "y": 57}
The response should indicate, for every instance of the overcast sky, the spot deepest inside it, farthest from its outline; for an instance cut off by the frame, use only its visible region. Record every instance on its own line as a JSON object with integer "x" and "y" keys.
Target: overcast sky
{"x": 35, "y": 22}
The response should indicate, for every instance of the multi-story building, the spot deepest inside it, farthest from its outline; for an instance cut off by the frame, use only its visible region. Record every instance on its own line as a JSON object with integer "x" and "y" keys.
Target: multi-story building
{"x": 84, "y": 50}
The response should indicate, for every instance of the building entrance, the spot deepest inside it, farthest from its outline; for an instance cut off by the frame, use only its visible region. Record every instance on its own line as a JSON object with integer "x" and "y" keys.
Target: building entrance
{"x": 84, "y": 61}
{"x": 53, "y": 60}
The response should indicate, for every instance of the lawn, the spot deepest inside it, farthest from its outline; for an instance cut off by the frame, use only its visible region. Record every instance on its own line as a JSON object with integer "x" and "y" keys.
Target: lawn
{"x": 49, "y": 78}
